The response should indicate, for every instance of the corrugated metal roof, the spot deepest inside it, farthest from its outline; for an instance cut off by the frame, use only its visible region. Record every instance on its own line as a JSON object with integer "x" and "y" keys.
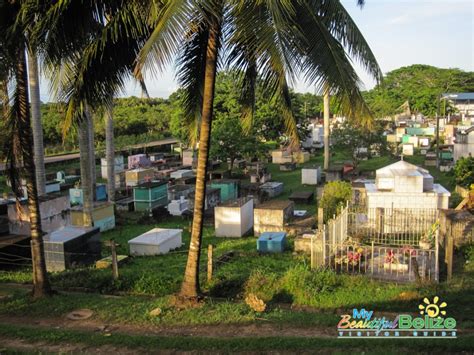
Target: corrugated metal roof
{"x": 459, "y": 96}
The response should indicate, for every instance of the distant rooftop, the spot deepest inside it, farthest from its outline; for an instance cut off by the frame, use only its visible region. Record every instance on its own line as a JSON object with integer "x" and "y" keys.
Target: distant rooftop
{"x": 459, "y": 96}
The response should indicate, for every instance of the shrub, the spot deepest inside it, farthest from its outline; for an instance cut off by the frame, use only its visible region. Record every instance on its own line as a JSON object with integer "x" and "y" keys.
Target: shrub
{"x": 464, "y": 171}
{"x": 335, "y": 195}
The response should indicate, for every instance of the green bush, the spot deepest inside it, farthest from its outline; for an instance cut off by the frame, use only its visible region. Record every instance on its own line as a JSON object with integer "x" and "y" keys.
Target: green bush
{"x": 464, "y": 171}
{"x": 335, "y": 195}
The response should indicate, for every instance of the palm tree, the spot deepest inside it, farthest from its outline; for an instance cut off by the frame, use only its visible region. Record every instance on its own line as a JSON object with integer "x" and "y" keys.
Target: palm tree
{"x": 90, "y": 127}
{"x": 276, "y": 40}
{"x": 89, "y": 52}
{"x": 20, "y": 155}
{"x": 110, "y": 152}
{"x": 326, "y": 129}
{"x": 33, "y": 79}
{"x": 86, "y": 168}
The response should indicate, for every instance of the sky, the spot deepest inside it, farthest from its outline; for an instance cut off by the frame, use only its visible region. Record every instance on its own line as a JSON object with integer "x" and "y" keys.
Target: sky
{"x": 399, "y": 32}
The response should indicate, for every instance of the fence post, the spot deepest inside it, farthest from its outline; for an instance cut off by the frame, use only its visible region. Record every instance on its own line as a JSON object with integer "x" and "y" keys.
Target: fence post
{"x": 115, "y": 273}
{"x": 372, "y": 258}
{"x": 449, "y": 255}
{"x": 209, "y": 262}
{"x": 437, "y": 255}
{"x": 320, "y": 218}
{"x": 324, "y": 244}
{"x": 312, "y": 251}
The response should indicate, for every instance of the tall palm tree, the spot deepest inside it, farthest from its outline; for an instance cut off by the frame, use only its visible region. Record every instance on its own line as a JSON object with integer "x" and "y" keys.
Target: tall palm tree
{"x": 274, "y": 39}
{"x": 86, "y": 168}
{"x": 326, "y": 128}
{"x": 33, "y": 79}
{"x": 91, "y": 154}
{"x": 20, "y": 151}
{"x": 89, "y": 50}
{"x": 110, "y": 152}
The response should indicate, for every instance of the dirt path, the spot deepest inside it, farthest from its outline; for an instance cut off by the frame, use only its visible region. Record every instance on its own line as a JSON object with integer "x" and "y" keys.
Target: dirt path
{"x": 219, "y": 330}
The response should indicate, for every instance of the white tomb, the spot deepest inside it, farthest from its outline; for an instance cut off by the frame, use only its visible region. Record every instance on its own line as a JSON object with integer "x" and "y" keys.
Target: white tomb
{"x": 272, "y": 188}
{"x": 234, "y": 218}
{"x": 155, "y": 242}
{"x": 408, "y": 149}
{"x": 180, "y": 174}
{"x": 311, "y": 176}
{"x": 177, "y": 207}
{"x": 404, "y": 185}
{"x": 118, "y": 167}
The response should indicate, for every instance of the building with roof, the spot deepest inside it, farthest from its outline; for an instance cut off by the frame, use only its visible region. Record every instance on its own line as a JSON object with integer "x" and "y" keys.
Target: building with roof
{"x": 404, "y": 185}
{"x": 464, "y": 144}
{"x": 463, "y": 103}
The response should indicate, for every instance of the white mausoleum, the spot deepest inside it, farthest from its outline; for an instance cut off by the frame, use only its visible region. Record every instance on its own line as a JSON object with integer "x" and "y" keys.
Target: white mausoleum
{"x": 404, "y": 185}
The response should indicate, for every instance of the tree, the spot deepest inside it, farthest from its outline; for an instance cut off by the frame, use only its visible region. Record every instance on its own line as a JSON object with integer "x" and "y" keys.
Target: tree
{"x": 110, "y": 153}
{"x": 229, "y": 142}
{"x": 464, "y": 171}
{"x": 33, "y": 79}
{"x": 335, "y": 196}
{"x": 360, "y": 141}
{"x": 89, "y": 51}
{"x": 20, "y": 148}
{"x": 420, "y": 85}
{"x": 276, "y": 39}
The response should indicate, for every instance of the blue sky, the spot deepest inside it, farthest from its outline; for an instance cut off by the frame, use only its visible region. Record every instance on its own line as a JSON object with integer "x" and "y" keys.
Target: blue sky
{"x": 400, "y": 33}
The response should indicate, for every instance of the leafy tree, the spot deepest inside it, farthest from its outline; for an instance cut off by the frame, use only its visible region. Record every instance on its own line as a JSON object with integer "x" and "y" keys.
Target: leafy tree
{"x": 464, "y": 171}
{"x": 418, "y": 84}
{"x": 356, "y": 139}
{"x": 229, "y": 141}
{"x": 335, "y": 195}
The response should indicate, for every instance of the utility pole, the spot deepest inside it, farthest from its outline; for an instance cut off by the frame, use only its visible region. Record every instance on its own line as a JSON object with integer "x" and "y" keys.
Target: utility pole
{"x": 326, "y": 127}
{"x": 437, "y": 132}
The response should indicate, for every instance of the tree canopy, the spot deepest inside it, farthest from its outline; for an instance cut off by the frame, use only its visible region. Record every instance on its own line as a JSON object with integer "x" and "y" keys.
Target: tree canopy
{"x": 418, "y": 84}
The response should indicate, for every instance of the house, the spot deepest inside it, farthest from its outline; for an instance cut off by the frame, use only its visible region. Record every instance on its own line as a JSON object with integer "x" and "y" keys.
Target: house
{"x": 404, "y": 185}
{"x": 464, "y": 145}
{"x": 463, "y": 103}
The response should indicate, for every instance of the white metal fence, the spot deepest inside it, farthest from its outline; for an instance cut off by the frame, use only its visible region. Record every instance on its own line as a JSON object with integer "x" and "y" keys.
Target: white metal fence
{"x": 383, "y": 247}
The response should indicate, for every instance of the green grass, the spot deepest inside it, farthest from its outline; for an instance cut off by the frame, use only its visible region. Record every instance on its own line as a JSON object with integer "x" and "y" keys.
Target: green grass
{"x": 154, "y": 343}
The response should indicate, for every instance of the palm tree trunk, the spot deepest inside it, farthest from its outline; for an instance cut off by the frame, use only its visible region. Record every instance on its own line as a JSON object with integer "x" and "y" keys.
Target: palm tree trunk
{"x": 326, "y": 129}
{"x": 86, "y": 173}
{"x": 110, "y": 153}
{"x": 90, "y": 130}
{"x": 41, "y": 286}
{"x": 4, "y": 98}
{"x": 190, "y": 286}
{"x": 33, "y": 78}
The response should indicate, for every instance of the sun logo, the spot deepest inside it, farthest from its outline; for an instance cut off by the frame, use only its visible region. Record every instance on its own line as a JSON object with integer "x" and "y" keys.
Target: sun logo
{"x": 432, "y": 310}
